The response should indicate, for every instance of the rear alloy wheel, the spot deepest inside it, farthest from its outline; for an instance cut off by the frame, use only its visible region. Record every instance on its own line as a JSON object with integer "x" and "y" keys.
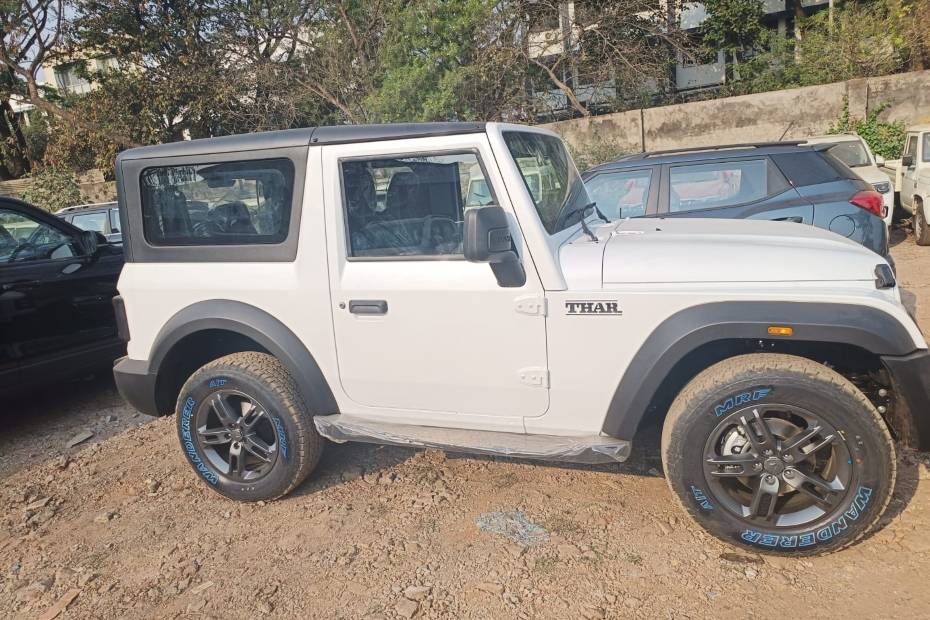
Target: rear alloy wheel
{"x": 244, "y": 427}
{"x": 778, "y": 453}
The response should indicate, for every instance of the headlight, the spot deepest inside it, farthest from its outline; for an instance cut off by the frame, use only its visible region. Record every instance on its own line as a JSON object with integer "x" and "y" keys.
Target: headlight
{"x": 883, "y": 187}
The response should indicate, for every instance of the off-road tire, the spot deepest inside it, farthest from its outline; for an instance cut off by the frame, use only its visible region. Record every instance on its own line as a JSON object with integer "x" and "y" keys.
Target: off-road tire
{"x": 921, "y": 225}
{"x": 775, "y": 380}
{"x": 264, "y": 379}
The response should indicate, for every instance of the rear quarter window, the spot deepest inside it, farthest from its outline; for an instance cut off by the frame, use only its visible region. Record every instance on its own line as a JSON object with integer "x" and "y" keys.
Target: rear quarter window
{"x": 226, "y": 203}
{"x": 812, "y": 167}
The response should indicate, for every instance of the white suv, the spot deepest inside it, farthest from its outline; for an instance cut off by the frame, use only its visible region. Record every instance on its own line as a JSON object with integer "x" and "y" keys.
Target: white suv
{"x": 348, "y": 283}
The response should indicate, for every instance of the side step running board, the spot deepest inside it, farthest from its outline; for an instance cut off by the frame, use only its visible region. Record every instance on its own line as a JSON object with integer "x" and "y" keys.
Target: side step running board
{"x": 589, "y": 449}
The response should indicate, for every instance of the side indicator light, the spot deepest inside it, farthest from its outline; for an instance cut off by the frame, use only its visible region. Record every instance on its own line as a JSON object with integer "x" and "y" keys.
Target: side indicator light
{"x": 780, "y": 330}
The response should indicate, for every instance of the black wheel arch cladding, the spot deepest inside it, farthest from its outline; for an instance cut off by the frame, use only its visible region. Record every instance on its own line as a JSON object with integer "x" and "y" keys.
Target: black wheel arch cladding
{"x": 258, "y": 325}
{"x": 685, "y": 331}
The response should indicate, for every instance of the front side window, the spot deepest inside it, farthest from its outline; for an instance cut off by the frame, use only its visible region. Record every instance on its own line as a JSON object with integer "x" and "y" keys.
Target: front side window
{"x": 621, "y": 193}
{"x": 911, "y": 147}
{"x": 926, "y": 147}
{"x": 720, "y": 184}
{"x": 550, "y": 177}
{"x": 411, "y": 205}
{"x": 228, "y": 203}
{"x": 92, "y": 221}
{"x": 23, "y": 239}
{"x": 853, "y": 154}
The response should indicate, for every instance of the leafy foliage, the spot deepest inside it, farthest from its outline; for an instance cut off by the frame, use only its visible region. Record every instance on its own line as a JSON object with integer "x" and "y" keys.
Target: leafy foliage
{"x": 733, "y": 25}
{"x": 52, "y": 188}
{"x": 886, "y": 139}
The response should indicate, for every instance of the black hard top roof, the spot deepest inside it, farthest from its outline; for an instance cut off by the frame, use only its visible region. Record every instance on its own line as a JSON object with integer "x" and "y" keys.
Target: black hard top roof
{"x": 723, "y": 151}
{"x": 339, "y": 134}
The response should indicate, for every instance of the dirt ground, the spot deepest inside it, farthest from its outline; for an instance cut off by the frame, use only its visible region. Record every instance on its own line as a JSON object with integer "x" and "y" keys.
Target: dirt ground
{"x": 120, "y": 526}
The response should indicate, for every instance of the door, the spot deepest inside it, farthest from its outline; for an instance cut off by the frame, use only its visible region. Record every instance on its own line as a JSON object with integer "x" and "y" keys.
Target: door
{"x": 909, "y": 172}
{"x": 417, "y": 327}
{"x": 750, "y": 188}
{"x": 54, "y": 299}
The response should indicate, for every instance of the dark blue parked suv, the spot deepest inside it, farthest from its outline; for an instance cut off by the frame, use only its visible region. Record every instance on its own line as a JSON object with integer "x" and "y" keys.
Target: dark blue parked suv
{"x": 782, "y": 181}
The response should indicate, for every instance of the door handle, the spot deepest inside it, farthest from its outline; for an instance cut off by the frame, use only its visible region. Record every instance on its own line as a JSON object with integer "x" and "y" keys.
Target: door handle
{"x": 797, "y": 219}
{"x": 20, "y": 284}
{"x": 368, "y": 306}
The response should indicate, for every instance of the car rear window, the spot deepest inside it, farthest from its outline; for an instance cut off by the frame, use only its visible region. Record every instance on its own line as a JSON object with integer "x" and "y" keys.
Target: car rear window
{"x": 812, "y": 167}
{"x": 228, "y": 203}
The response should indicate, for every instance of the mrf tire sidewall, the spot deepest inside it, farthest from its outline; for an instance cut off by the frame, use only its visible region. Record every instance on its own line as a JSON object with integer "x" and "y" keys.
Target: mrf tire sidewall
{"x": 262, "y": 377}
{"x": 796, "y": 381}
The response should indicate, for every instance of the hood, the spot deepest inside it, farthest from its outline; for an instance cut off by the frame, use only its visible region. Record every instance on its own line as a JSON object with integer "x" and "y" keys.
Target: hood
{"x": 647, "y": 250}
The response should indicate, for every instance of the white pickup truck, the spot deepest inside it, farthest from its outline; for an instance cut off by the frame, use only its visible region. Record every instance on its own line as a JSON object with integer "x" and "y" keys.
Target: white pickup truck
{"x": 912, "y": 179}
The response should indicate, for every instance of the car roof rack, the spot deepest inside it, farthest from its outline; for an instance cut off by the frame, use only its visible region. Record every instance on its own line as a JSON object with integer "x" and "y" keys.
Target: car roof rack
{"x": 720, "y": 147}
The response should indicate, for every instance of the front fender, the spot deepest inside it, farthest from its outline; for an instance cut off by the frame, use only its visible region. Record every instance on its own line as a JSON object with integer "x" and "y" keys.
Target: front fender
{"x": 685, "y": 331}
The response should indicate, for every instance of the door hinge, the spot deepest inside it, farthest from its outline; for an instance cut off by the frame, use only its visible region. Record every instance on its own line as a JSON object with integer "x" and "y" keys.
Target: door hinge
{"x": 531, "y": 304}
{"x": 535, "y": 377}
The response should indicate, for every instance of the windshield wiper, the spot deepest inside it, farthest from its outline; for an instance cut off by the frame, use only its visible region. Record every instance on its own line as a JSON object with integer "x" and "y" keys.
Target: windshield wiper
{"x": 584, "y": 225}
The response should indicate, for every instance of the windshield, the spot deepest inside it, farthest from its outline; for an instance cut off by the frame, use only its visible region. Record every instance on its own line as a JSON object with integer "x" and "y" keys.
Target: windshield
{"x": 853, "y": 154}
{"x": 550, "y": 177}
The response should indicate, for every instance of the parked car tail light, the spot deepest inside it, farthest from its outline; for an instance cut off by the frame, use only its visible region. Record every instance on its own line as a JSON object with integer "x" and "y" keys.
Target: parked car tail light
{"x": 869, "y": 200}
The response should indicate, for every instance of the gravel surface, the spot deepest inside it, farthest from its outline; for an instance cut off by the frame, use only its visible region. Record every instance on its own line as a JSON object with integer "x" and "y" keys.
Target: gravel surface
{"x": 119, "y": 525}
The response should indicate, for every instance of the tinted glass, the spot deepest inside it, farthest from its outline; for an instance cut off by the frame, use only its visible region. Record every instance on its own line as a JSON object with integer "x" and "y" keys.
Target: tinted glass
{"x": 24, "y": 239}
{"x": 411, "y": 206}
{"x": 911, "y": 147}
{"x": 218, "y": 204}
{"x": 853, "y": 154}
{"x": 718, "y": 184}
{"x": 621, "y": 193}
{"x": 550, "y": 177}
{"x": 812, "y": 167}
{"x": 91, "y": 221}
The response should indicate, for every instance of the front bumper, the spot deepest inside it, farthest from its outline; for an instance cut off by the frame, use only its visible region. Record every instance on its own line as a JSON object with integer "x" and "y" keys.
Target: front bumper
{"x": 136, "y": 384}
{"x": 910, "y": 377}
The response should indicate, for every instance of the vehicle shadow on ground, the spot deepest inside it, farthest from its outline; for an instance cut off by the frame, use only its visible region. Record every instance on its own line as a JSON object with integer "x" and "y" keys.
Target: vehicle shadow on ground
{"x": 342, "y": 463}
{"x": 38, "y": 424}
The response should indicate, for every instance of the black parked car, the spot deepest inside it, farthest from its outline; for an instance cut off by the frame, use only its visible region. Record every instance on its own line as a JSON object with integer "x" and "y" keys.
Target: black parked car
{"x": 782, "y": 181}
{"x": 57, "y": 283}
{"x": 102, "y": 217}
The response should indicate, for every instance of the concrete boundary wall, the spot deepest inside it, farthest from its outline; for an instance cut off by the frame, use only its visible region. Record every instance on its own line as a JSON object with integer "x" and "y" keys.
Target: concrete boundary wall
{"x": 790, "y": 114}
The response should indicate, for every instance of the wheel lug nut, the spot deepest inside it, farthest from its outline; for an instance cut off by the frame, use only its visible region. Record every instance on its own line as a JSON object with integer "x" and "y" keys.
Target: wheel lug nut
{"x": 757, "y": 466}
{"x": 787, "y": 458}
{"x": 767, "y": 452}
{"x": 770, "y": 479}
{"x": 789, "y": 473}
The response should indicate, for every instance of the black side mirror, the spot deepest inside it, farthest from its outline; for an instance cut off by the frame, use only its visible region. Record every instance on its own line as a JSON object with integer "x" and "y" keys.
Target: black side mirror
{"x": 907, "y": 161}
{"x": 488, "y": 240}
{"x": 91, "y": 240}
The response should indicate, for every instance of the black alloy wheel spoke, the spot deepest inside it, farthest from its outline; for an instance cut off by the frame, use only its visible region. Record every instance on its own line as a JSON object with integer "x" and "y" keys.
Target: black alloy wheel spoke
{"x": 758, "y": 434}
{"x": 764, "y": 498}
{"x": 237, "y": 468}
{"x": 257, "y": 447}
{"x": 214, "y": 436}
{"x": 800, "y": 448}
{"x": 252, "y": 417}
{"x": 733, "y": 465}
{"x": 813, "y": 486}
{"x": 226, "y": 415}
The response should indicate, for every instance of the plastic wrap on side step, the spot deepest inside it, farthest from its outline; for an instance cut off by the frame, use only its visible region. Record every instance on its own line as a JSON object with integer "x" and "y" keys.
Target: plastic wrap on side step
{"x": 588, "y": 449}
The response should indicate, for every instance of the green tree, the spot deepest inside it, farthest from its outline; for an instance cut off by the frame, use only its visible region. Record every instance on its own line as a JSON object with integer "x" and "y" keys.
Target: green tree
{"x": 734, "y": 26}
{"x": 52, "y": 188}
{"x": 886, "y": 139}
